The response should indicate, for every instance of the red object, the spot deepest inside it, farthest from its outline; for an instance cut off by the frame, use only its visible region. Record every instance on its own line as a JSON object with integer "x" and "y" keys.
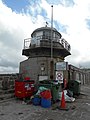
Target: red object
{"x": 65, "y": 83}
{"x": 27, "y": 78}
{"x": 46, "y": 94}
{"x": 24, "y": 88}
{"x": 63, "y": 103}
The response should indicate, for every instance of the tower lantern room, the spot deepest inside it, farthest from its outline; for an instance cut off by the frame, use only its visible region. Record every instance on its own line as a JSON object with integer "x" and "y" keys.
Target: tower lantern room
{"x": 40, "y": 44}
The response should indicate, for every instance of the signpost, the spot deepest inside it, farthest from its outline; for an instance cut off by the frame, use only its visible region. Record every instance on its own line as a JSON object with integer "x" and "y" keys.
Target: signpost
{"x": 61, "y": 66}
{"x": 59, "y": 76}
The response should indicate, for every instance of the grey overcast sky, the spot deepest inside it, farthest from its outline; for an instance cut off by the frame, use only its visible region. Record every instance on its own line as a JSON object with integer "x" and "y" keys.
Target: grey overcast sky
{"x": 18, "y": 19}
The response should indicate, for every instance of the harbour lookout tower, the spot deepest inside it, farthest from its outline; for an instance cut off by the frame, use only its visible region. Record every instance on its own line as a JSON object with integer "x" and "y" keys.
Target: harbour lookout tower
{"x": 37, "y": 49}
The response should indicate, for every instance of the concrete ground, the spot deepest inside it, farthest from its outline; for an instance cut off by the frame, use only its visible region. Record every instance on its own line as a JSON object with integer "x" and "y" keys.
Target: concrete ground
{"x": 78, "y": 110}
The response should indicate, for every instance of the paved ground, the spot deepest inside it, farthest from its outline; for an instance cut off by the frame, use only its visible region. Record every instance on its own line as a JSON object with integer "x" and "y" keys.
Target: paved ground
{"x": 78, "y": 110}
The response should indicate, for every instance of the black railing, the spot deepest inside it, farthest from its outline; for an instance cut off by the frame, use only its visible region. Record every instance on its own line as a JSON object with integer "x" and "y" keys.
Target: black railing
{"x": 36, "y": 41}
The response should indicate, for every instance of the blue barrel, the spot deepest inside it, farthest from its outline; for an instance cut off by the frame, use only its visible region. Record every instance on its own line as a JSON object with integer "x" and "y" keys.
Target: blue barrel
{"x": 46, "y": 103}
{"x": 36, "y": 101}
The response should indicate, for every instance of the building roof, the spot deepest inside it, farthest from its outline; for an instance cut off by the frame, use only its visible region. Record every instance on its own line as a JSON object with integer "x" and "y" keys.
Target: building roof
{"x": 45, "y": 29}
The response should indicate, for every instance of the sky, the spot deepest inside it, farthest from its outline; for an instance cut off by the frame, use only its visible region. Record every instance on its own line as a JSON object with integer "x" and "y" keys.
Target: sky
{"x": 19, "y": 18}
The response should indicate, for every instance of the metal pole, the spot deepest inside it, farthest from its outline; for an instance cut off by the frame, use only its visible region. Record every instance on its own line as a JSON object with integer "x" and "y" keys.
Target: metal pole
{"x": 51, "y": 32}
{"x": 24, "y": 43}
{"x": 51, "y": 63}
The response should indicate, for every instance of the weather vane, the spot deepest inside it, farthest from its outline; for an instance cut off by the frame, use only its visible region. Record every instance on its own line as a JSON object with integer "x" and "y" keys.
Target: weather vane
{"x": 46, "y": 23}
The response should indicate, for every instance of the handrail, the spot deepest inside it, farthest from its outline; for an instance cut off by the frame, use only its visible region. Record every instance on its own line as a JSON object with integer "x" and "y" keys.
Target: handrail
{"x": 36, "y": 40}
{"x": 27, "y": 43}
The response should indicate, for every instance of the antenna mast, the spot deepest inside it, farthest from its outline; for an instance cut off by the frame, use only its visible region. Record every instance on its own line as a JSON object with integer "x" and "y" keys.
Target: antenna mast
{"x": 52, "y": 63}
{"x": 51, "y": 32}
